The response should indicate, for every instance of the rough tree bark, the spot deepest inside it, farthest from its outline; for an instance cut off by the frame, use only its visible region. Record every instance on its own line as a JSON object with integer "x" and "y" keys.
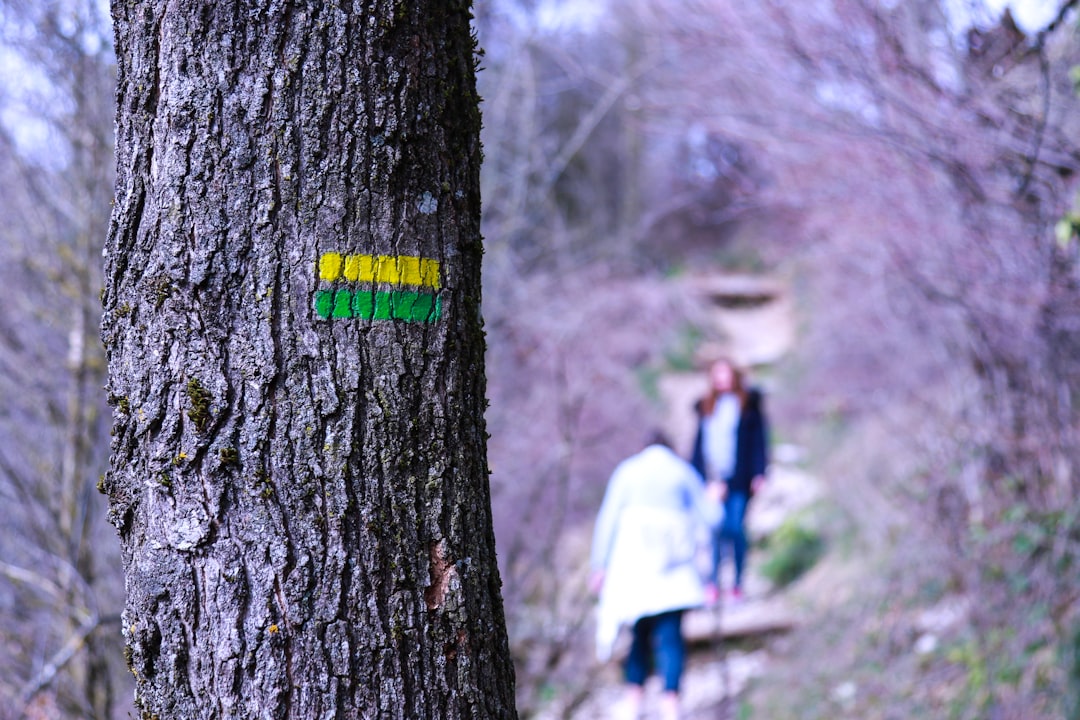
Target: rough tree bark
{"x": 291, "y": 316}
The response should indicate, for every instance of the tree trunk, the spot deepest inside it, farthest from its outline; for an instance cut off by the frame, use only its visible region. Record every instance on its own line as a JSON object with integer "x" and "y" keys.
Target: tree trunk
{"x": 296, "y": 363}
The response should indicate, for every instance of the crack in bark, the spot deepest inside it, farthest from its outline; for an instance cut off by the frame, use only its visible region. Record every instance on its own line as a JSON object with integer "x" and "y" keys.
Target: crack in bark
{"x": 441, "y": 572}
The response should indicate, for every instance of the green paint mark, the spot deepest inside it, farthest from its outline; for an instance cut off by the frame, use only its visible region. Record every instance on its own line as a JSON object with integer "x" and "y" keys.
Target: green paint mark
{"x": 324, "y": 303}
{"x": 416, "y": 306}
{"x": 342, "y": 300}
{"x": 407, "y": 305}
{"x": 364, "y": 305}
{"x": 383, "y": 309}
{"x": 424, "y": 307}
{"x": 404, "y": 303}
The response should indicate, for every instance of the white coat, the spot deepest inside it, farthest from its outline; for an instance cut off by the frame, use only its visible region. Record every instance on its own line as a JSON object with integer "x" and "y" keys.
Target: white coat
{"x": 645, "y": 541}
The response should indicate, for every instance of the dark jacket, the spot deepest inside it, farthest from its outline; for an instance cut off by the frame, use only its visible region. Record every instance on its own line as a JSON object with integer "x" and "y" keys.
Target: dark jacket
{"x": 751, "y": 444}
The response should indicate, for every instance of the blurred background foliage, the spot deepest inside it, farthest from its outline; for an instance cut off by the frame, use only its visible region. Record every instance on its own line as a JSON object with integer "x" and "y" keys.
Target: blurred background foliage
{"x": 902, "y": 174}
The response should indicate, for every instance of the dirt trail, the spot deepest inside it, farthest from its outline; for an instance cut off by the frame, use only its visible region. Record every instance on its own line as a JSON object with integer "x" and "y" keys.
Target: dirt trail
{"x": 751, "y": 320}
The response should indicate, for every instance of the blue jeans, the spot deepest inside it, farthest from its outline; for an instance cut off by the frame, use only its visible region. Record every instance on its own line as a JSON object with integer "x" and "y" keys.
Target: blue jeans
{"x": 659, "y": 636}
{"x": 732, "y": 531}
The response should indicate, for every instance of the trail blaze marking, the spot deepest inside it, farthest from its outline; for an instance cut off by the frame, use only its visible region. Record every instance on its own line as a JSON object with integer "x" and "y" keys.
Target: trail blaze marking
{"x": 390, "y": 269}
{"x": 370, "y": 302}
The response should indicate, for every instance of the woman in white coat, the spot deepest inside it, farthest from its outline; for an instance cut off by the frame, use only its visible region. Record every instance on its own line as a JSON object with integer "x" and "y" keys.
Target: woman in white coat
{"x": 643, "y": 562}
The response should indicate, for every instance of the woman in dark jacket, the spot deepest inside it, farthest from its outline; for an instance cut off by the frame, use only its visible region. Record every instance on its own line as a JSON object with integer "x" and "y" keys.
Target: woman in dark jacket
{"x": 731, "y": 447}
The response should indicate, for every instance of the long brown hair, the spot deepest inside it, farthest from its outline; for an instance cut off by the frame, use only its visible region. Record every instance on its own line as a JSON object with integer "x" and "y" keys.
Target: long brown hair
{"x": 708, "y": 403}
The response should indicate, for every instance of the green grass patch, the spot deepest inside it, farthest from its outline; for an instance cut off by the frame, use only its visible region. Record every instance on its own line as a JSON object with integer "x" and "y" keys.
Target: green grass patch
{"x": 792, "y": 550}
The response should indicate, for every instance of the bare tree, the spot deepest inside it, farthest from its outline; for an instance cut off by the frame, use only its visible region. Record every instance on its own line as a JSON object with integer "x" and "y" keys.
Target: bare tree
{"x": 913, "y": 170}
{"x": 296, "y": 363}
{"x": 927, "y": 169}
{"x": 60, "y": 558}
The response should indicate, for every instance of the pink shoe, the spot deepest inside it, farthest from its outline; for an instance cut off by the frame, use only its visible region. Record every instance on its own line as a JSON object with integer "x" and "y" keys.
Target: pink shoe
{"x": 712, "y": 595}
{"x": 735, "y": 595}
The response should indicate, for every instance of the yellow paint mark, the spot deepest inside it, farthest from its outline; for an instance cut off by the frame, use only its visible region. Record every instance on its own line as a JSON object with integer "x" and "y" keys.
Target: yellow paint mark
{"x": 330, "y": 266}
{"x": 368, "y": 265}
{"x": 418, "y": 271}
{"x": 272, "y": 629}
{"x": 352, "y": 268}
{"x": 387, "y": 269}
{"x": 429, "y": 273}
{"x": 409, "y": 269}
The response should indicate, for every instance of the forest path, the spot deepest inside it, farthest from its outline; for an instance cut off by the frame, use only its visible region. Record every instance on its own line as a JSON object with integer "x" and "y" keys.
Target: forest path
{"x": 730, "y": 644}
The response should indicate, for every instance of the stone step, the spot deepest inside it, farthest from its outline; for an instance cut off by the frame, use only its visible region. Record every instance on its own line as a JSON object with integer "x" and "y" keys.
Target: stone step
{"x": 746, "y": 619}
